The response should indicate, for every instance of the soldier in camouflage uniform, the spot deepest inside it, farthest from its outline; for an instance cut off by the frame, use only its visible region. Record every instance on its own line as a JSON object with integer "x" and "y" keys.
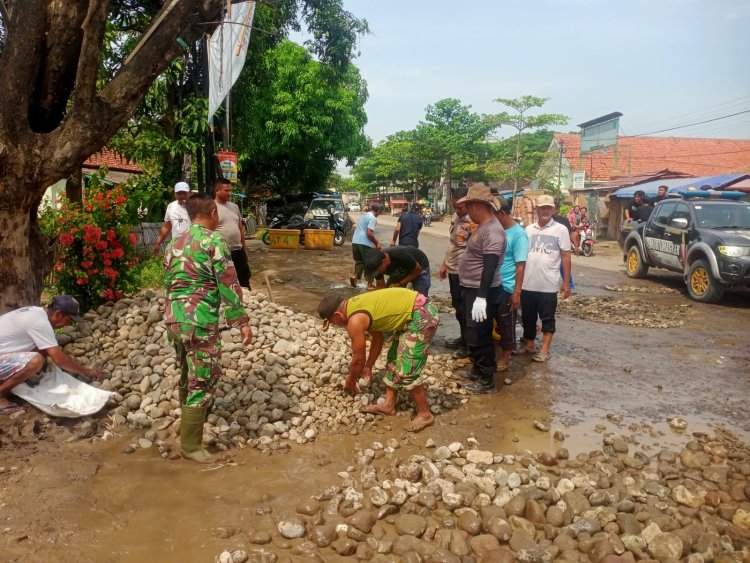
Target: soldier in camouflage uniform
{"x": 412, "y": 319}
{"x": 199, "y": 276}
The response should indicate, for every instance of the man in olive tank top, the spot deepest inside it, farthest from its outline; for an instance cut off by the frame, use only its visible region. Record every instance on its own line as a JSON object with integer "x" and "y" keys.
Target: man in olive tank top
{"x": 412, "y": 319}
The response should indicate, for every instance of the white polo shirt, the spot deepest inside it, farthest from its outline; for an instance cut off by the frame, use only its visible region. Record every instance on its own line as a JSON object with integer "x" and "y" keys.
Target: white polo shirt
{"x": 546, "y": 245}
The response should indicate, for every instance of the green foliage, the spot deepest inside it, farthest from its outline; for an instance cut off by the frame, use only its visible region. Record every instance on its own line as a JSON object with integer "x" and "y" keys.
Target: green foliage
{"x": 521, "y": 121}
{"x": 96, "y": 254}
{"x": 291, "y": 128}
{"x": 151, "y": 273}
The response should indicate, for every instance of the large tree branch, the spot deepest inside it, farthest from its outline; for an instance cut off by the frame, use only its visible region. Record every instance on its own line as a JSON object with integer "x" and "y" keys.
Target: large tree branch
{"x": 89, "y": 126}
{"x": 18, "y": 65}
{"x": 93, "y": 27}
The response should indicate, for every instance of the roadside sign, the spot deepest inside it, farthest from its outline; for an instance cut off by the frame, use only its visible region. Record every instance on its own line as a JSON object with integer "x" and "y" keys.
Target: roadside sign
{"x": 579, "y": 179}
{"x": 228, "y": 164}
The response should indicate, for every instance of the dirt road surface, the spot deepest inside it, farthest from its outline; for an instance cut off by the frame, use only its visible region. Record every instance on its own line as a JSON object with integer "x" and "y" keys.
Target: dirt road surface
{"x": 67, "y": 497}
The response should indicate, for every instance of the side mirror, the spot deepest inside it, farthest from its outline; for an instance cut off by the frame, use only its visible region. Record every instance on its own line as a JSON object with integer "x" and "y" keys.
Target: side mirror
{"x": 679, "y": 223}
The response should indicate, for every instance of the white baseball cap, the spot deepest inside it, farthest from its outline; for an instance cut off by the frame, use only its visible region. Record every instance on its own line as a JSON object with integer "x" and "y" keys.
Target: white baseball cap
{"x": 181, "y": 187}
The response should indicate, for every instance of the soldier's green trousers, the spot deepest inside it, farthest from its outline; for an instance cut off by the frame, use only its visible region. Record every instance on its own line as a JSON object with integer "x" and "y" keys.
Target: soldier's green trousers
{"x": 199, "y": 356}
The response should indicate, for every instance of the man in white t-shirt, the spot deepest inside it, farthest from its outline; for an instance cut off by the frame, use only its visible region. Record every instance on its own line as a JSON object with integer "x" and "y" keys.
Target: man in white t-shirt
{"x": 27, "y": 335}
{"x": 549, "y": 246}
{"x": 176, "y": 219}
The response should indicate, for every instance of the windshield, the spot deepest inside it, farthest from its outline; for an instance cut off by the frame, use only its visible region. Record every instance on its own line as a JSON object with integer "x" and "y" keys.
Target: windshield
{"x": 324, "y": 203}
{"x": 723, "y": 216}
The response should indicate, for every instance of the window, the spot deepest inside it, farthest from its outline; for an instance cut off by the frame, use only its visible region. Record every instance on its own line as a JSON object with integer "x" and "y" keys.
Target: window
{"x": 663, "y": 212}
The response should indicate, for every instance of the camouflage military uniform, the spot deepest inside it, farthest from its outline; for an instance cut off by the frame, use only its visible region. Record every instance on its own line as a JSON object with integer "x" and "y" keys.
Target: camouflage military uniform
{"x": 199, "y": 276}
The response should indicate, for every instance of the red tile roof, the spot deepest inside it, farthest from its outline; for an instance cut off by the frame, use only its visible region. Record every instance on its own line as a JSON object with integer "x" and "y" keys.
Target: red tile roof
{"x": 112, "y": 160}
{"x": 639, "y": 155}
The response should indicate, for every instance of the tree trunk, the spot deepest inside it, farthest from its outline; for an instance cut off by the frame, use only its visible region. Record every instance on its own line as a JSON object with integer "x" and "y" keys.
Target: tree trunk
{"x": 26, "y": 258}
{"x": 74, "y": 186}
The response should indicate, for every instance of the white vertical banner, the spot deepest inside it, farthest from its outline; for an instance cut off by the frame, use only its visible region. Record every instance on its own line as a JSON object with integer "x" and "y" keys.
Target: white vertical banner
{"x": 227, "y": 49}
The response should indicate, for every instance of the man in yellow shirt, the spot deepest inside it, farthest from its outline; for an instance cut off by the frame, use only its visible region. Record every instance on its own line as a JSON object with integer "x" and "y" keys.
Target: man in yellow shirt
{"x": 412, "y": 319}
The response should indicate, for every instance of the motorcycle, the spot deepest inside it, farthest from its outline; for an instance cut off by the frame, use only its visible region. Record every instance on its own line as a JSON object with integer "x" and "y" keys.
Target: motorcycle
{"x": 299, "y": 222}
{"x": 336, "y": 224}
{"x": 427, "y": 219}
{"x": 276, "y": 222}
{"x": 587, "y": 238}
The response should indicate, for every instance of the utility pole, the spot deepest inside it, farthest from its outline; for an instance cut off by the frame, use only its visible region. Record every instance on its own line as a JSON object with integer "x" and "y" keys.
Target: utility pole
{"x": 559, "y": 168}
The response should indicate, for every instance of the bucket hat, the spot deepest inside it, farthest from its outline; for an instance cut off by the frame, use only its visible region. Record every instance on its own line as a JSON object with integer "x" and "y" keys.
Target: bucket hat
{"x": 480, "y": 193}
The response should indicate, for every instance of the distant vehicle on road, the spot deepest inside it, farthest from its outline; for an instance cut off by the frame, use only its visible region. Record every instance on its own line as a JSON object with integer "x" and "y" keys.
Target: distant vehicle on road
{"x": 355, "y": 207}
{"x": 705, "y": 235}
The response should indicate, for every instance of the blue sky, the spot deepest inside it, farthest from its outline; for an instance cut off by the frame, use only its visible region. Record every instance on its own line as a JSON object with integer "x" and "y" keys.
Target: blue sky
{"x": 662, "y": 63}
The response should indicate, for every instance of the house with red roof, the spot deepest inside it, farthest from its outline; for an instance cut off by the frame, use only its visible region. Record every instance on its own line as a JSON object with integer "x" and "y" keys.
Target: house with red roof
{"x": 636, "y": 159}
{"x": 119, "y": 169}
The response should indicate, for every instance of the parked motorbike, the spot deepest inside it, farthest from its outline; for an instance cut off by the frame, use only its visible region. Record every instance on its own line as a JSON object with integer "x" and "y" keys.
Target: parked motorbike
{"x": 276, "y": 222}
{"x": 587, "y": 239}
{"x": 336, "y": 224}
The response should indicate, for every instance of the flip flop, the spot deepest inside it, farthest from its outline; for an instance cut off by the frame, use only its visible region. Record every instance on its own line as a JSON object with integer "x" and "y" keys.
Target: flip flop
{"x": 541, "y": 357}
{"x": 353, "y": 281}
{"x": 10, "y": 408}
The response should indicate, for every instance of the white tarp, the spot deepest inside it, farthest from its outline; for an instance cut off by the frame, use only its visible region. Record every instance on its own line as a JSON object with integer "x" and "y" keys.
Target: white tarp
{"x": 60, "y": 394}
{"x": 226, "y": 53}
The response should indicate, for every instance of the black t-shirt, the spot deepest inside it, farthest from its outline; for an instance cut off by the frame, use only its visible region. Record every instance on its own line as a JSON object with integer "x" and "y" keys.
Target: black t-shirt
{"x": 563, "y": 221}
{"x": 411, "y": 223}
{"x": 633, "y": 207}
{"x": 642, "y": 213}
{"x": 403, "y": 261}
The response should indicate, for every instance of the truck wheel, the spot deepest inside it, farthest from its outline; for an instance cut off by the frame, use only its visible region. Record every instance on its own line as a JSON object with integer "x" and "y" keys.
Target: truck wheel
{"x": 701, "y": 284}
{"x": 634, "y": 265}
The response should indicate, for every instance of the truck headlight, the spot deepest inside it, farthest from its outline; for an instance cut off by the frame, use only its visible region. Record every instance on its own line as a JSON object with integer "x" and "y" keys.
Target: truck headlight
{"x": 732, "y": 250}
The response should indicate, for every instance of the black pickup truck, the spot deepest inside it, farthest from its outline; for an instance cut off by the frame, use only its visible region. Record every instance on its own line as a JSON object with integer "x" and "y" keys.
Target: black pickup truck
{"x": 706, "y": 239}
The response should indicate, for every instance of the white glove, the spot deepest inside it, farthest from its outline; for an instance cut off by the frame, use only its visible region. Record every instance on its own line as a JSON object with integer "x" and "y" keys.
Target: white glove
{"x": 479, "y": 310}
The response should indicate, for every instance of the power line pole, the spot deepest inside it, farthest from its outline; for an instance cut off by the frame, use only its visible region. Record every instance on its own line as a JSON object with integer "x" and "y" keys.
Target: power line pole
{"x": 559, "y": 168}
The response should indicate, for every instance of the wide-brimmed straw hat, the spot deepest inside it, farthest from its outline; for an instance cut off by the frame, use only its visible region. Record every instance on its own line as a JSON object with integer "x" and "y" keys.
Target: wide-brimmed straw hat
{"x": 480, "y": 193}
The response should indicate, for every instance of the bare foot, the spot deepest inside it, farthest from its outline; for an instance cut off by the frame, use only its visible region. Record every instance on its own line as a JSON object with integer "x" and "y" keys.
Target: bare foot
{"x": 385, "y": 409}
{"x": 420, "y": 422}
{"x": 351, "y": 388}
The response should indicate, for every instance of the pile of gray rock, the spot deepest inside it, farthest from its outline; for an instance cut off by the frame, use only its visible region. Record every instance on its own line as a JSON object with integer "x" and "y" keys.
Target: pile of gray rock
{"x": 466, "y": 504}
{"x": 283, "y": 389}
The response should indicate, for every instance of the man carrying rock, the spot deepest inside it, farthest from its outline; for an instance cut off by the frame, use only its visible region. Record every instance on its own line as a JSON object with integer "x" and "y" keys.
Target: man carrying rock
{"x": 176, "y": 219}
{"x": 412, "y": 319}
{"x": 402, "y": 265}
{"x": 232, "y": 228}
{"x": 363, "y": 241}
{"x": 481, "y": 285}
{"x": 460, "y": 231}
{"x": 199, "y": 276}
{"x": 27, "y": 335}
{"x": 549, "y": 247}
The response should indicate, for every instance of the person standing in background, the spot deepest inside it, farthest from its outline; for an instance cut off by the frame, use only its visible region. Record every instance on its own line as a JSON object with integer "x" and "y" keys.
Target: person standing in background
{"x": 176, "y": 219}
{"x": 407, "y": 228}
{"x": 364, "y": 240}
{"x": 460, "y": 231}
{"x": 232, "y": 229}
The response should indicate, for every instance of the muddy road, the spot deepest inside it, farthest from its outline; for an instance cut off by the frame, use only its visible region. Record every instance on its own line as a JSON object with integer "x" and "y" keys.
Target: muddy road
{"x": 68, "y": 497}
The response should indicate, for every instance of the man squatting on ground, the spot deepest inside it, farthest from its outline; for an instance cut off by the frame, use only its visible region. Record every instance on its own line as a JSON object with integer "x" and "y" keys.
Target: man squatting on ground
{"x": 512, "y": 272}
{"x": 407, "y": 227}
{"x": 402, "y": 265}
{"x": 363, "y": 241}
{"x": 412, "y": 319}
{"x": 27, "y": 336}
{"x": 176, "y": 219}
{"x": 549, "y": 246}
{"x": 479, "y": 275}
{"x": 199, "y": 276}
{"x": 460, "y": 231}
{"x": 231, "y": 227}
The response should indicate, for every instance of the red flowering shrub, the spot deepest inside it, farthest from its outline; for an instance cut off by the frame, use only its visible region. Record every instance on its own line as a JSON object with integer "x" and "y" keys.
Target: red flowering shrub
{"x": 96, "y": 259}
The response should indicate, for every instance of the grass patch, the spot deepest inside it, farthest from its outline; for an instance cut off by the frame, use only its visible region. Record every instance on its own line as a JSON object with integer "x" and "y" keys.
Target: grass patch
{"x": 152, "y": 273}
